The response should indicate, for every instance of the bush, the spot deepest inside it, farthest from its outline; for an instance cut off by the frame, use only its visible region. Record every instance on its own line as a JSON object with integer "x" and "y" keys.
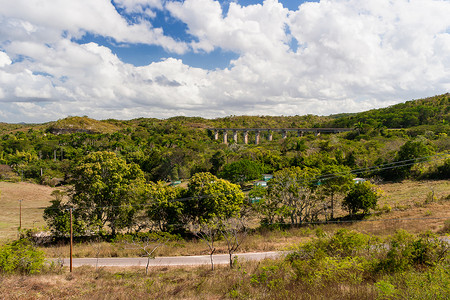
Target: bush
{"x": 21, "y": 257}
{"x": 444, "y": 170}
{"x": 344, "y": 243}
{"x": 406, "y": 251}
{"x": 362, "y": 196}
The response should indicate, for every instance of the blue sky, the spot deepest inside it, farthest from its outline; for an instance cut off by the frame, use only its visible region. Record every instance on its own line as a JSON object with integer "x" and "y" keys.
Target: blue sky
{"x": 126, "y": 59}
{"x": 142, "y": 54}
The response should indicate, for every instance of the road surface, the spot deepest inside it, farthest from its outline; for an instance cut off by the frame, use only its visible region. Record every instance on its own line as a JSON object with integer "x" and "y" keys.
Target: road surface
{"x": 176, "y": 260}
{"x": 168, "y": 261}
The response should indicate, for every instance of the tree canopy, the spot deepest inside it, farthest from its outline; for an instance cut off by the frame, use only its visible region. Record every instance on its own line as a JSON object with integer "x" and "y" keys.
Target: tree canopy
{"x": 291, "y": 195}
{"x": 362, "y": 196}
{"x": 104, "y": 187}
{"x": 211, "y": 197}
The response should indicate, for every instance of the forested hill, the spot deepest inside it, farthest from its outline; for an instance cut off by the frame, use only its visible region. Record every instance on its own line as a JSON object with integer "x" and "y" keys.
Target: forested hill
{"x": 178, "y": 147}
{"x": 429, "y": 111}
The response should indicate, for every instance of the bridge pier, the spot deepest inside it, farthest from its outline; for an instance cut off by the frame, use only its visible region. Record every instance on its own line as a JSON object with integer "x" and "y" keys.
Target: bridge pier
{"x": 283, "y": 131}
{"x": 235, "y": 136}
{"x": 257, "y": 137}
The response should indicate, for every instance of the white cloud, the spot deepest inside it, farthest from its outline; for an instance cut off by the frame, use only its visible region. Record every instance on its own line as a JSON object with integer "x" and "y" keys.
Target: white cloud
{"x": 352, "y": 55}
{"x": 4, "y": 59}
{"x": 255, "y": 28}
{"x": 48, "y": 20}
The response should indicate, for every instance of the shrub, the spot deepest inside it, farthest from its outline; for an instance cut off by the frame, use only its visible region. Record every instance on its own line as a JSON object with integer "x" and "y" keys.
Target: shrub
{"x": 446, "y": 228}
{"x": 21, "y": 257}
{"x": 444, "y": 170}
{"x": 385, "y": 290}
{"x": 362, "y": 196}
{"x": 406, "y": 251}
{"x": 434, "y": 283}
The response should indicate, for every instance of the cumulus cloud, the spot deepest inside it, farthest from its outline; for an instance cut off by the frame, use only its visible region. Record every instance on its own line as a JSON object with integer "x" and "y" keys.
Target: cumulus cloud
{"x": 254, "y": 28}
{"x": 4, "y": 59}
{"x": 46, "y": 21}
{"x": 326, "y": 57}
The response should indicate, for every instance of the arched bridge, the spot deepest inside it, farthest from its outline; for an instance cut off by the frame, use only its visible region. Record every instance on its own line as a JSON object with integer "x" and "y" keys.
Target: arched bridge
{"x": 270, "y": 131}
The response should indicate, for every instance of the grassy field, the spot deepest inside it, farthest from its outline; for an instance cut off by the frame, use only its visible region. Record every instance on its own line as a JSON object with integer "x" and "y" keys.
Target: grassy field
{"x": 34, "y": 199}
{"x": 166, "y": 283}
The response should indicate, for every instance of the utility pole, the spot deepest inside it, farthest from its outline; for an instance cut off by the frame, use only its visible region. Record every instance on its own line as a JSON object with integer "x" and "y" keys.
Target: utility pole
{"x": 71, "y": 239}
{"x": 20, "y": 214}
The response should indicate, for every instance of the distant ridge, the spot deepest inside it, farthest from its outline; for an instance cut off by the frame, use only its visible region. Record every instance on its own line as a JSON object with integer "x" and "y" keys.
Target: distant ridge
{"x": 81, "y": 124}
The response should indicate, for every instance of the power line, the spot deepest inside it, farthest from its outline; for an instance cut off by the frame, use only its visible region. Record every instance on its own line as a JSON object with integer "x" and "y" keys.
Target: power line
{"x": 355, "y": 221}
{"x": 306, "y": 181}
{"x": 396, "y": 164}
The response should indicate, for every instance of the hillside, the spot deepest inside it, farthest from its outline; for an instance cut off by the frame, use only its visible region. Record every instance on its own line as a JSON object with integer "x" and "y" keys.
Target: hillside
{"x": 81, "y": 124}
{"x": 178, "y": 147}
{"x": 429, "y": 111}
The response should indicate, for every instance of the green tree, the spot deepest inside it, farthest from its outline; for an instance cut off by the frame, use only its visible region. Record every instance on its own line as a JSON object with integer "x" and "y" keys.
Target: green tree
{"x": 291, "y": 195}
{"x": 335, "y": 180}
{"x": 362, "y": 196}
{"x": 257, "y": 193}
{"x": 162, "y": 207}
{"x": 242, "y": 170}
{"x": 217, "y": 161}
{"x": 212, "y": 197}
{"x": 411, "y": 152}
{"x": 57, "y": 216}
{"x": 105, "y": 190}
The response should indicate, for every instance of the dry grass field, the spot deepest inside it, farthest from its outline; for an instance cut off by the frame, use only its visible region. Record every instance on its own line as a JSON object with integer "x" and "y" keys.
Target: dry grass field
{"x": 167, "y": 283}
{"x": 34, "y": 199}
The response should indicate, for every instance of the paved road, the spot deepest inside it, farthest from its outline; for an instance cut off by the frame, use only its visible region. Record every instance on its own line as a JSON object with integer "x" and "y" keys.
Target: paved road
{"x": 168, "y": 261}
{"x": 176, "y": 260}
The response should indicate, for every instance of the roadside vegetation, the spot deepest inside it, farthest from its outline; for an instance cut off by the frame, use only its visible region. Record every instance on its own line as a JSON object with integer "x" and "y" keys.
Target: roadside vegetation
{"x": 344, "y": 265}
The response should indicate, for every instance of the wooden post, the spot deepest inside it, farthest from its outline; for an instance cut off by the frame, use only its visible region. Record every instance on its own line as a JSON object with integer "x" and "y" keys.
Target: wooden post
{"x": 20, "y": 214}
{"x": 71, "y": 240}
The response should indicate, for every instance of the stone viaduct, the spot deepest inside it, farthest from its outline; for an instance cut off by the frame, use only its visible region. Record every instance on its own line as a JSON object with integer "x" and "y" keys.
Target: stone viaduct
{"x": 270, "y": 131}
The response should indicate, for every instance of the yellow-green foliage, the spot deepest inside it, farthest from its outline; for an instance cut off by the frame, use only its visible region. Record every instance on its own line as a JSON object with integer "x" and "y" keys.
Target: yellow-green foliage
{"x": 83, "y": 124}
{"x": 21, "y": 257}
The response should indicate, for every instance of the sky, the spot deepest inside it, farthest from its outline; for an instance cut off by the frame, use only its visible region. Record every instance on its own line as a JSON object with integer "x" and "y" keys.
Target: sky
{"x": 126, "y": 59}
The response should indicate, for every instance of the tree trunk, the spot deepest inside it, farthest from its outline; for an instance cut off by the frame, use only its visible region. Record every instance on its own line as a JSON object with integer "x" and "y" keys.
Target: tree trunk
{"x": 148, "y": 263}
{"x": 212, "y": 262}
{"x": 332, "y": 206}
{"x": 211, "y": 257}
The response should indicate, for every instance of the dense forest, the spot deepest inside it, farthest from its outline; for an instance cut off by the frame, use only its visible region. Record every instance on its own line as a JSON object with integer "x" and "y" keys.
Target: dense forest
{"x": 178, "y": 147}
